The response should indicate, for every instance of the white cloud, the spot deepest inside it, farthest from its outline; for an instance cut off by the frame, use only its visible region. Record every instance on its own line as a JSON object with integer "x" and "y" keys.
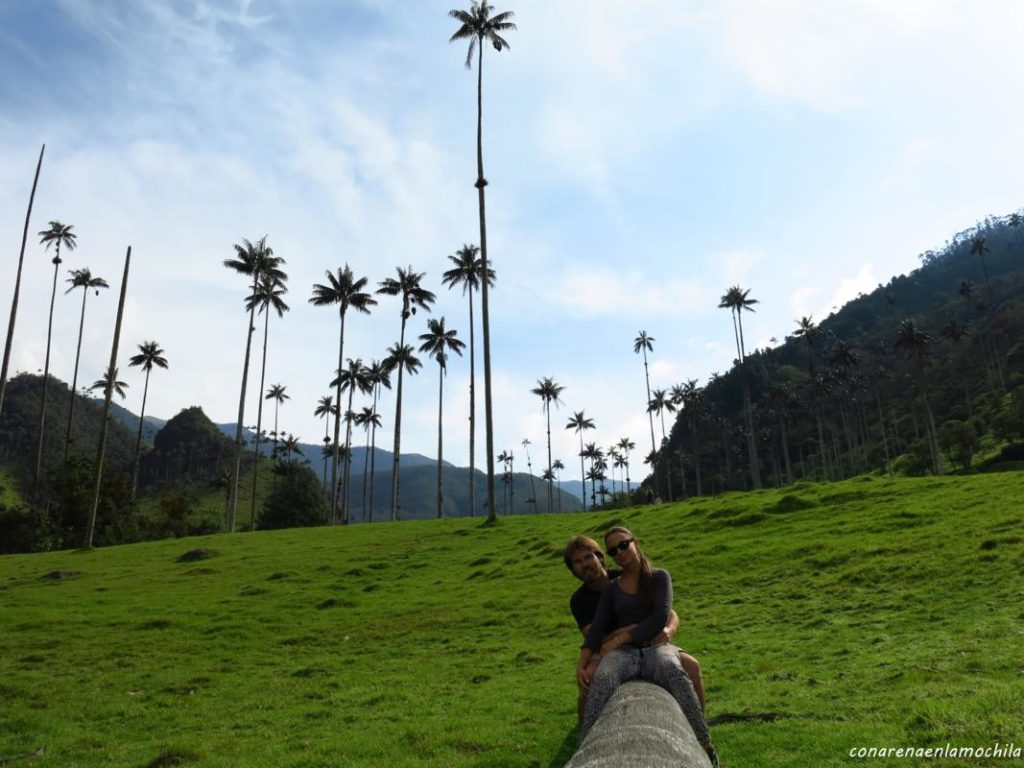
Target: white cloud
{"x": 588, "y": 291}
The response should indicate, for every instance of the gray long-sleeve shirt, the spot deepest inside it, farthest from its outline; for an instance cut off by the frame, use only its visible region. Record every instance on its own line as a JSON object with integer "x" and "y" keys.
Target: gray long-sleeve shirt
{"x": 617, "y": 608}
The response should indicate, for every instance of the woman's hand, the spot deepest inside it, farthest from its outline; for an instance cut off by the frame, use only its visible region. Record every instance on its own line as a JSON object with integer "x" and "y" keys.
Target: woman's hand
{"x": 582, "y": 678}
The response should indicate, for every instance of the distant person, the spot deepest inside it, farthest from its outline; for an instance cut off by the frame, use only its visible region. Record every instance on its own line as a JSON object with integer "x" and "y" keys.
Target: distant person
{"x": 584, "y": 557}
{"x": 639, "y": 601}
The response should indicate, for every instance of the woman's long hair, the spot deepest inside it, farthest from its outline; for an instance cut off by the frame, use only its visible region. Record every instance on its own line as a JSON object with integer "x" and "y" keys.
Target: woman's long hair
{"x": 645, "y": 583}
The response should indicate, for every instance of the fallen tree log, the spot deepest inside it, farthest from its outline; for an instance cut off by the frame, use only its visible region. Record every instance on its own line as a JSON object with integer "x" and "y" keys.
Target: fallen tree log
{"x": 641, "y": 725}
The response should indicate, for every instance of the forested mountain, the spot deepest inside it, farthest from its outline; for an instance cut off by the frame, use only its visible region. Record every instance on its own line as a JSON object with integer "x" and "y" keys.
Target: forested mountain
{"x": 915, "y": 377}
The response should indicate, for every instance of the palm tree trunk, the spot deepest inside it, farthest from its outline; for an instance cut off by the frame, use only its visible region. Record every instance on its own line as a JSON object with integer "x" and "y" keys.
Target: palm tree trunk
{"x": 785, "y": 451}
{"x": 327, "y": 440}
{"x": 472, "y": 408}
{"x": 276, "y": 437}
{"x": 91, "y": 526}
{"x": 696, "y": 458}
{"x": 337, "y": 422}
{"x": 373, "y": 448}
{"x": 17, "y": 284}
{"x": 440, "y": 403}
{"x": 755, "y": 464}
{"x": 481, "y": 182}
{"x": 398, "y": 429}
{"x": 259, "y": 421}
{"x": 551, "y": 489}
{"x": 366, "y": 466}
{"x": 74, "y": 378}
{"x": 46, "y": 375}
{"x": 138, "y": 439}
{"x": 348, "y": 454}
{"x": 583, "y": 472}
{"x": 233, "y": 496}
{"x": 650, "y": 416}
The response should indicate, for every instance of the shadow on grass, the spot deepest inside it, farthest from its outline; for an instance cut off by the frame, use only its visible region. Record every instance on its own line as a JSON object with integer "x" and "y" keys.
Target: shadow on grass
{"x": 566, "y": 750}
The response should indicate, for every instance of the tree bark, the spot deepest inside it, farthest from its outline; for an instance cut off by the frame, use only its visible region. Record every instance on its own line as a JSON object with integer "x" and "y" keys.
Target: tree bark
{"x": 259, "y": 421}
{"x": 74, "y": 378}
{"x": 17, "y": 283}
{"x": 46, "y": 376}
{"x": 236, "y": 476}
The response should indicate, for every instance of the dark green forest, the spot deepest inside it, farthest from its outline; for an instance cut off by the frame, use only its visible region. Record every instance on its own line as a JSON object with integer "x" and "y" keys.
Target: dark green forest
{"x": 923, "y": 375}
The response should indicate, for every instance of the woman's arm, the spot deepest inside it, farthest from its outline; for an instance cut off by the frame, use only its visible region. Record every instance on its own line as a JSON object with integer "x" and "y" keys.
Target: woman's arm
{"x": 655, "y": 622}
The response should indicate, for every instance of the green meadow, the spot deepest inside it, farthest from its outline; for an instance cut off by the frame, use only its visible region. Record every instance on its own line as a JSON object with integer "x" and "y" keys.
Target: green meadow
{"x": 871, "y": 612}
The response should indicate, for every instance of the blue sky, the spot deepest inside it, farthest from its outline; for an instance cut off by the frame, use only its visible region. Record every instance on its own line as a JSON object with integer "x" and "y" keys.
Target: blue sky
{"x": 642, "y": 157}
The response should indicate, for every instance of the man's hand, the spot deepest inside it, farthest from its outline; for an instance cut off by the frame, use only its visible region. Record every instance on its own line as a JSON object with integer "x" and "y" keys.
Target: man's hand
{"x": 582, "y": 678}
{"x": 617, "y": 639}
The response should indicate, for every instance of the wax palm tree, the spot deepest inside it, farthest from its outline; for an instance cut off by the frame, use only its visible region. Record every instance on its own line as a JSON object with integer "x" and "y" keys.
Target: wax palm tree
{"x": 809, "y": 332}
{"x": 644, "y": 344}
{"x": 595, "y": 454}
{"x": 267, "y": 297}
{"x": 369, "y": 420}
{"x": 278, "y": 394}
{"x": 253, "y": 260}
{"x": 110, "y": 382}
{"x": 479, "y": 26}
{"x": 353, "y": 376}
{"x": 661, "y": 402}
{"x": 580, "y": 423}
{"x": 556, "y": 467}
{"x": 627, "y": 446}
{"x": 468, "y": 272}
{"x": 691, "y": 401}
{"x": 549, "y": 393}
{"x": 345, "y": 290}
{"x": 80, "y": 278}
{"x": 979, "y": 247}
{"x": 17, "y": 283}
{"x": 57, "y": 235}
{"x": 290, "y": 445}
{"x": 325, "y": 408}
{"x": 915, "y": 343}
{"x": 737, "y": 300}
{"x": 437, "y": 342}
{"x": 414, "y": 296}
{"x": 380, "y": 375}
{"x": 529, "y": 471}
{"x": 402, "y": 357}
{"x": 150, "y": 356}
{"x": 506, "y": 476}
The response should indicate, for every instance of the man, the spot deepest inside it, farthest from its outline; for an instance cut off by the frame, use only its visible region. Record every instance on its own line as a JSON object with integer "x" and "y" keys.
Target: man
{"x": 585, "y": 558}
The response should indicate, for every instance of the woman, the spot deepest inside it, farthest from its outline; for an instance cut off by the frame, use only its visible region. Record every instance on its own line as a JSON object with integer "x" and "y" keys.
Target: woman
{"x": 642, "y": 597}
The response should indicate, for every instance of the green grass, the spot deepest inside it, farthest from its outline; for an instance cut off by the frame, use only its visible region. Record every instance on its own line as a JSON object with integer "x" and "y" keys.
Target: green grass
{"x": 872, "y": 612}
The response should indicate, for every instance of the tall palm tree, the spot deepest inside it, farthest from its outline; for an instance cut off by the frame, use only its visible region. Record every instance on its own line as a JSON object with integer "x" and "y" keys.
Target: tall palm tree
{"x": 267, "y": 297}
{"x": 737, "y": 300}
{"x": 414, "y": 296}
{"x": 595, "y": 454}
{"x": 150, "y": 355}
{"x": 109, "y": 382}
{"x": 580, "y": 423}
{"x": 402, "y": 357}
{"x": 644, "y": 343}
{"x": 57, "y": 235}
{"x": 90, "y": 526}
{"x": 661, "y": 402}
{"x": 437, "y": 342}
{"x": 548, "y": 391}
{"x": 17, "y": 282}
{"x": 556, "y": 467}
{"x": 980, "y": 248}
{"x": 345, "y": 290}
{"x": 915, "y": 343}
{"x": 277, "y": 393}
{"x": 290, "y": 446}
{"x": 380, "y": 375}
{"x": 808, "y": 331}
{"x": 325, "y": 408}
{"x": 478, "y": 25}
{"x": 468, "y": 272}
{"x": 353, "y": 376}
{"x": 529, "y": 471}
{"x": 253, "y": 260}
{"x": 369, "y": 420}
{"x": 80, "y": 278}
{"x": 627, "y": 446}
{"x": 692, "y": 397}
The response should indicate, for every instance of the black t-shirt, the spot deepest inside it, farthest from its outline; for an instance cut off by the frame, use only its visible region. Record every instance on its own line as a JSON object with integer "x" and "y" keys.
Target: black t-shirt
{"x": 584, "y": 600}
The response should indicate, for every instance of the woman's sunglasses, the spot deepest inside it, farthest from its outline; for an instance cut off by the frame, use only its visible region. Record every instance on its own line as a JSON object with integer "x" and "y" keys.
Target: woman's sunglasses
{"x": 622, "y": 546}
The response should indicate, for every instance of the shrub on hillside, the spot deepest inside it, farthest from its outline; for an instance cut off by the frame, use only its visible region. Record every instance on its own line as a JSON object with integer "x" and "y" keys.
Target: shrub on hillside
{"x": 24, "y": 529}
{"x": 959, "y": 441}
{"x": 298, "y": 500}
{"x": 71, "y": 499}
{"x": 917, "y": 461}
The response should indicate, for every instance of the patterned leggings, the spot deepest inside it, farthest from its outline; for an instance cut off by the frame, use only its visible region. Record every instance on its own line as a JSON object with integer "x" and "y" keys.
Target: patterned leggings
{"x": 659, "y": 665}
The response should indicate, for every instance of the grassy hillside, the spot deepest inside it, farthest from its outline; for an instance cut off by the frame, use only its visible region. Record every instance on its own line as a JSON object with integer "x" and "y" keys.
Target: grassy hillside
{"x": 863, "y": 613}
